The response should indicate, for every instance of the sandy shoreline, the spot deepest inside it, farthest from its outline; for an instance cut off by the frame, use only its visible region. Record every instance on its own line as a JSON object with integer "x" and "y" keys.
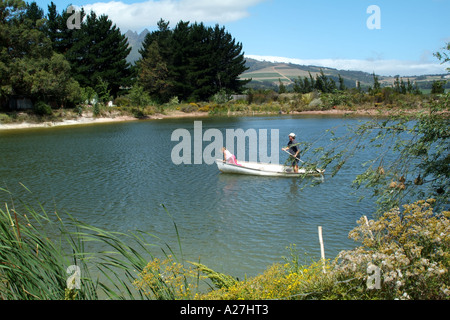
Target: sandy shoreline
{"x": 87, "y": 119}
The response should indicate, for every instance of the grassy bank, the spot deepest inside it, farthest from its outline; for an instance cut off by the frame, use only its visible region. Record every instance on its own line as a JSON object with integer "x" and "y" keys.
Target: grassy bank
{"x": 405, "y": 254}
{"x": 262, "y": 103}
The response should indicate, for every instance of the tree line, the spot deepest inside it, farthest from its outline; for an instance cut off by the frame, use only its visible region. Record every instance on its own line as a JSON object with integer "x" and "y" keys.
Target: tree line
{"x": 190, "y": 61}
{"x": 320, "y": 83}
{"x": 328, "y": 84}
{"x": 43, "y": 60}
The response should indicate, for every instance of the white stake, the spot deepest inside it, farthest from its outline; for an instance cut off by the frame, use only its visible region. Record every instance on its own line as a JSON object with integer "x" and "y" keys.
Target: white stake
{"x": 367, "y": 223}
{"x": 322, "y": 250}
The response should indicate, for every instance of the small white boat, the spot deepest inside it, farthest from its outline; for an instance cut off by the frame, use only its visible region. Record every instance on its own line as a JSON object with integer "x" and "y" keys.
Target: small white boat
{"x": 265, "y": 169}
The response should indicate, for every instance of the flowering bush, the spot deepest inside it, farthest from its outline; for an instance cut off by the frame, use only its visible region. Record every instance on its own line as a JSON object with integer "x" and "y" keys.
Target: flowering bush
{"x": 277, "y": 282}
{"x": 167, "y": 280}
{"x": 404, "y": 255}
{"x": 410, "y": 249}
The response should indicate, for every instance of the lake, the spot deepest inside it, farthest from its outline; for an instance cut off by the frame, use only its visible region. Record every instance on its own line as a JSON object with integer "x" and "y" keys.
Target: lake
{"x": 116, "y": 176}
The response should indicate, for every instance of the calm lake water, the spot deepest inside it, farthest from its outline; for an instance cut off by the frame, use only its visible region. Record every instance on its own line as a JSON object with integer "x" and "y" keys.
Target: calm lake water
{"x": 116, "y": 176}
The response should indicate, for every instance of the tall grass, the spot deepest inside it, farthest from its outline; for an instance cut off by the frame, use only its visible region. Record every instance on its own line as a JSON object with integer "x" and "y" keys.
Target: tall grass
{"x": 37, "y": 248}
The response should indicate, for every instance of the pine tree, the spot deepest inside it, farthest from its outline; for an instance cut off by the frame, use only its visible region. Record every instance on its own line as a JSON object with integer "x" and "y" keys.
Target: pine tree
{"x": 312, "y": 82}
{"x": 100, "y": 51}
{"x": 342, "y": 86}
{"x": 409, "y": 87}
{"x": 307, "y": 85}
{"x": 397, "y": 84}
{"x": 96, "y": 50}
{"x": 181, "y": 63}
{"x": 162, "y": 36}
{"x": 281, "y": 87}
{"x": 200, "y": 60}
{"x": 298, "y": 85}
{"x": 34, "y": 14}
{"x": 153, "y": 74}
{"x": 438, "y": 87}
{"x": 402, "y": 87}
{"x": 376, "y": 84}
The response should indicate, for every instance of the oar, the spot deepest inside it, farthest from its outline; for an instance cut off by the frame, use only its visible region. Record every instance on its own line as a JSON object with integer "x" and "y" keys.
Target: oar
{"x": 293, "y": 156}
{"x": 300, "y": 160}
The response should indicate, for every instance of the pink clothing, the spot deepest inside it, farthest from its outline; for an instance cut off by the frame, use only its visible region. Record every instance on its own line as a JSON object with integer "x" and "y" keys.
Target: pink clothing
{"x": 230, "y": 158}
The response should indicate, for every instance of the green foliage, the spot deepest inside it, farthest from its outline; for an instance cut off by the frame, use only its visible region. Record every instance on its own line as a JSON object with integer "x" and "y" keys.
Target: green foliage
{"x": 122, "y": 102}
{"x": 376, "y": 85}
{"x": 102, "y": 90}
{"x": 28, "y": 65}
{"x": 321, "y": 83}
{"x": 221, "y": 97}
{"x": 38, "y": 247}
{"x": 88, "y": 95}
{"x": 438, "y": 87}
{"x": 98, "y": 50}
{"x": 261, "y": 96}
{"x": 444, "y": 56}
{"x": 407, "y": 147}
{"x": 139, "y": 97}
{"x": 96, "y": 109}
{"x": 342, "y": 86}
{"x": 42, "y": 109}
{"x": 33, "y": 267}
{"x": 192, "y": 62}
{"x": 281, "y": 87}
{"x": 154, "y": 75}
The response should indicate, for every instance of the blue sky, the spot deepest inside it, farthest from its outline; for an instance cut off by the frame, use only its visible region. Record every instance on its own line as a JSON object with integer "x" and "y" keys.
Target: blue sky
{"x": 331, "y": 33}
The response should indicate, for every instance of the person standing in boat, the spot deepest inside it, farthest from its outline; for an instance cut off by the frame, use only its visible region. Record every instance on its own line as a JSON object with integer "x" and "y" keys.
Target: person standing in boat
{"x": 293, "y": 150}
{"x": 228, "y": 157}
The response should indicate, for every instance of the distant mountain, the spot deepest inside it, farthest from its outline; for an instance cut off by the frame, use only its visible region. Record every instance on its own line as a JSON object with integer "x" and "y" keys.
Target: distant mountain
{"x": 135, "y": 42}
{"x": 268, "y": 74}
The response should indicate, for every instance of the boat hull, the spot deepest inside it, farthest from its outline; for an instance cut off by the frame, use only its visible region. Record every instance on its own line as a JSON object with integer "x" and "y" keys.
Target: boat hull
{"x": 264, "y": 169}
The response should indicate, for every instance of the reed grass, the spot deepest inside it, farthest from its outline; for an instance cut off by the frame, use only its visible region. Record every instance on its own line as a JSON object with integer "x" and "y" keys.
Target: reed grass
{"x": 37, "y": 248}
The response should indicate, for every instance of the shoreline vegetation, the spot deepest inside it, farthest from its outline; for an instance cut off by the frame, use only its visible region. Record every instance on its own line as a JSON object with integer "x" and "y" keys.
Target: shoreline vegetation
{"x": 404, "y": 255}
{"x": 271, "y": 104}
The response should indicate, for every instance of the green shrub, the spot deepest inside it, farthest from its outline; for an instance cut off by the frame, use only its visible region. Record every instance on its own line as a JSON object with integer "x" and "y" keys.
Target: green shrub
{"x": 4, "y": 118}
{"x": 221, "y": 97}
{"x": 42, "y": 109}
{"x": 122, "y": 102}
{"x": 96, "y": 110}
{"x": 188, "y": 108}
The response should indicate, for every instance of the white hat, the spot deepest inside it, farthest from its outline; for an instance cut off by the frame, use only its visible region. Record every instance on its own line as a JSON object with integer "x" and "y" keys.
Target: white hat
{"x": 292, "y": 135}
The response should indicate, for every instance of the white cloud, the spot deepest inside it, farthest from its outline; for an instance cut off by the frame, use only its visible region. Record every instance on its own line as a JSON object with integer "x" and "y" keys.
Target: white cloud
{"x": 137, "y": 16}
{"x": 380, "y": 67}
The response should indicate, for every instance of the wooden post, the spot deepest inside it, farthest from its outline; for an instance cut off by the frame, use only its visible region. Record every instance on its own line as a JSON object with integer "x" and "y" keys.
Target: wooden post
{"x": 367, "y": 223}
{"x": 322, "y": 250}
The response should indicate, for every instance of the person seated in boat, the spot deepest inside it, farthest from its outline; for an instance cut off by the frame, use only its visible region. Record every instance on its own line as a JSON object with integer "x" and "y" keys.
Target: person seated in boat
{"x": 293, "y": 150}
{"x": 228, "y": 157}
